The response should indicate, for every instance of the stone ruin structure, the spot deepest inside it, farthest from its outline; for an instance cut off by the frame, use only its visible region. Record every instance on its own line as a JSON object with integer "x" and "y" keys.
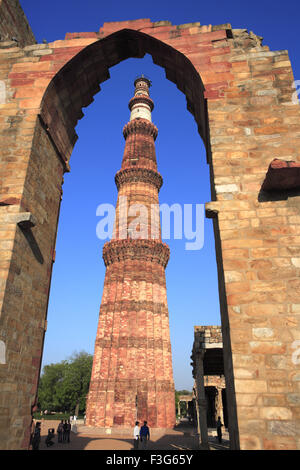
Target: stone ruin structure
{"x": 215, "y": 392}
{"x": 210, "y": 385}
{"x": 242, "y": 97}
{"x": 187, "y": 401}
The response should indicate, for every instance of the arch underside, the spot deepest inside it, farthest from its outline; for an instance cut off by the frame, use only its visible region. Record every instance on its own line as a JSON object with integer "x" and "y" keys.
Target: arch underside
{"x": 76, "y": 83}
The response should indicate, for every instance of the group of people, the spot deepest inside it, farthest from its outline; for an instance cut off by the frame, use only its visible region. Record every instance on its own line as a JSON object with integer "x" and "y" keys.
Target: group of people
{"x": 141, "y": 435}
{"x": 63, "y": 434}
{"x": 63, "y": 431}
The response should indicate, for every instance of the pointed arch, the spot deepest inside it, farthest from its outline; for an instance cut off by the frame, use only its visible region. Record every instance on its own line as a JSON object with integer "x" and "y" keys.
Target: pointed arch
{"x": 74, "y": 85}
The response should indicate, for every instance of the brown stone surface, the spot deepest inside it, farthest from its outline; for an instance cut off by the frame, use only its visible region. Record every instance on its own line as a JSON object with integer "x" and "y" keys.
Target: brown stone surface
{"x": 14, "y": 24}
{"x": 252, "y": 121}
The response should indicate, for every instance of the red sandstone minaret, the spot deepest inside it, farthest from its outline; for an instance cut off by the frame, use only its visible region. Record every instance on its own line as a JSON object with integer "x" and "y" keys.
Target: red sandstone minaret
{"x": 132, "y": 376}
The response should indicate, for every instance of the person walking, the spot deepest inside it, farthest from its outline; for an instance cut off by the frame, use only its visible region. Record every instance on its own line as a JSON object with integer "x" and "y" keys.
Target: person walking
{"x": 136, "y": 435}
{"x": 60, "y": 430}
{"x": 144, "y": 435}
{"x": 219, "y": 430}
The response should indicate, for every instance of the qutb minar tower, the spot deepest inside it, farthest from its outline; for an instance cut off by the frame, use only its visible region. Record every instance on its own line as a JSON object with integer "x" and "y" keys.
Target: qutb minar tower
{"x": 132, "y": 376}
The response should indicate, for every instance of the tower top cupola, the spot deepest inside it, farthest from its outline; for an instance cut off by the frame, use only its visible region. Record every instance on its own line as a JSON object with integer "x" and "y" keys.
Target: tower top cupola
{"x": 142, "y": 82}
{"x": 141, "y": 105}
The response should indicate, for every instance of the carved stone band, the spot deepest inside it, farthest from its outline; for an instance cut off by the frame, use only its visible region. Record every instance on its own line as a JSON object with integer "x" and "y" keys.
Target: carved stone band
{"x": 141, "y": 99}
{"x": 138, "y": 174}
{"x": 134, "y": 342}
{"x": 140, "y": 126}
{"x": 104, "y": 385}
{"x": 143, "y": 250}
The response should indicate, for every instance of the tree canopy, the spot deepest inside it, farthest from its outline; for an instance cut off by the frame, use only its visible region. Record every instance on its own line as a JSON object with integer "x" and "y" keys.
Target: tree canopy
{"x": 63, "y": 386}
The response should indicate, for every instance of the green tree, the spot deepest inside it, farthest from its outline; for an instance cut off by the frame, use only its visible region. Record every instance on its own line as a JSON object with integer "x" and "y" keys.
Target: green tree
{"x": 51, "y": 377}
{"x": 75, "y": 385}
{"x": 64, "y": 386}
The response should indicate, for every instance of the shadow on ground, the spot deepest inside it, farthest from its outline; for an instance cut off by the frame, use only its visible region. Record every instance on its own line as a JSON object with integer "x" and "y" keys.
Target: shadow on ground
{"x": 182, "y": 438}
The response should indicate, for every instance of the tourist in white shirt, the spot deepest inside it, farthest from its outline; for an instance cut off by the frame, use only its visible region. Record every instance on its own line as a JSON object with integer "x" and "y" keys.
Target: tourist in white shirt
{"x": 136, "y": 435}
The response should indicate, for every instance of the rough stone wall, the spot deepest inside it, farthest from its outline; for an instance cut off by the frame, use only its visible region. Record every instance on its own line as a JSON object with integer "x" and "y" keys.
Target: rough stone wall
{"x": 206, "y": 336}
{"x": 252, "y": 120}
{"x": 28, "y": 253}
{"x": 14, "y": 24}
{"x": 214, "y": 381}
{"x": 259, "y": 236}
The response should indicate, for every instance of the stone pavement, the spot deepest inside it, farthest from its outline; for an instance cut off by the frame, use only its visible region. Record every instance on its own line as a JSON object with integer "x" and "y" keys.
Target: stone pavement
{"x": 181, "y": 438}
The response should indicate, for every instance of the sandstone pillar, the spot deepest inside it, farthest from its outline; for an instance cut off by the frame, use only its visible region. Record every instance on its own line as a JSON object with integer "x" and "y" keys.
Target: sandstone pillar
{"x": 201, "y": 400}
{"x": 219, "y": 405}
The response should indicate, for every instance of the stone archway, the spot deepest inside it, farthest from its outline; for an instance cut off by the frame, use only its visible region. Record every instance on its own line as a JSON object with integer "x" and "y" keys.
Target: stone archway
{"x": 245, "y": 114}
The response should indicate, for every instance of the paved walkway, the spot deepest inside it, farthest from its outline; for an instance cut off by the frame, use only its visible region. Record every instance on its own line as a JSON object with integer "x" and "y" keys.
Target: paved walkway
{"x": 182, "y": 438}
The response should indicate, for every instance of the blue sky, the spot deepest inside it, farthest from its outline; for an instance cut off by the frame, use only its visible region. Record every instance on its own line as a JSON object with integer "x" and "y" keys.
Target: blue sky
{"x": 191, "y": 276}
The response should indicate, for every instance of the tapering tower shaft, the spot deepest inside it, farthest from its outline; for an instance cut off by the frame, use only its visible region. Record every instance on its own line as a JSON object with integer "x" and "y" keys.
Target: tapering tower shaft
{"x": 132, "y": 376}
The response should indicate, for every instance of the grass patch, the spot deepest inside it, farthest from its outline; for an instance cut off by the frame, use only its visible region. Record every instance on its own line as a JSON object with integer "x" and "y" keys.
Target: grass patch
{"x": 53, "y": 417}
